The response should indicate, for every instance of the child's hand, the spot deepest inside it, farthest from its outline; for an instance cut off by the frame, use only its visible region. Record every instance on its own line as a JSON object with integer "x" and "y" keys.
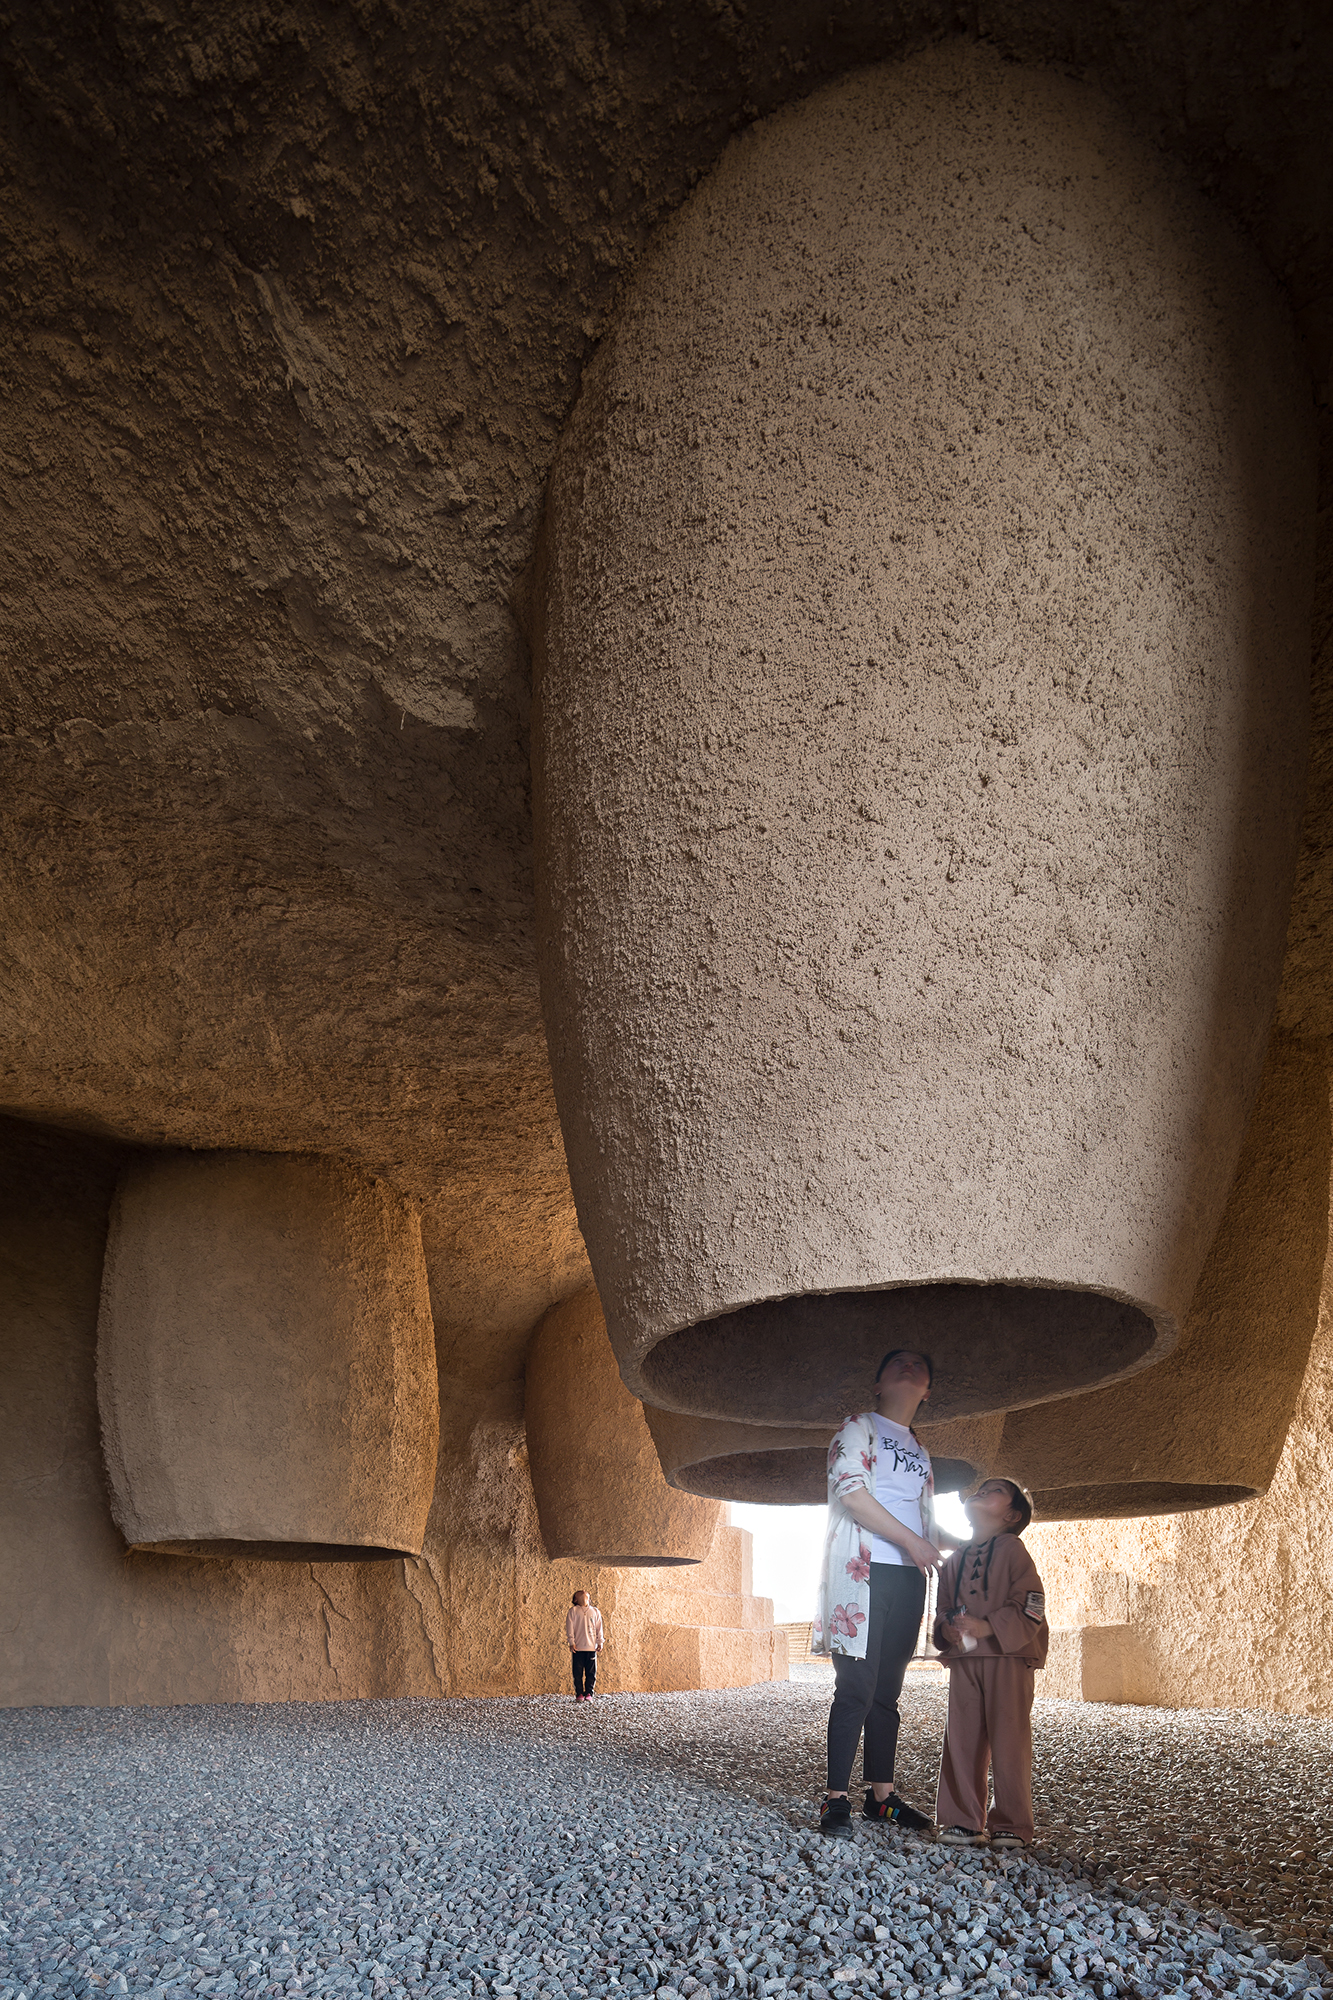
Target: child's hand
{"x": 950, "y": 1634}
{"x": 974, "y": 1628}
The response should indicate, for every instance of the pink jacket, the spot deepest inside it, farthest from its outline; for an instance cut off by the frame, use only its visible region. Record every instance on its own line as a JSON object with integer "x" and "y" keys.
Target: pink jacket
{"x": 583, "y": 1629}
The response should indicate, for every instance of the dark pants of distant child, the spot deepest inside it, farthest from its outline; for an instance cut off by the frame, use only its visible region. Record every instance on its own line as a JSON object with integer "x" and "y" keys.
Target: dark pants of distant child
{"x": 867, "y": 1691}
{"x": 585, "y": 1672}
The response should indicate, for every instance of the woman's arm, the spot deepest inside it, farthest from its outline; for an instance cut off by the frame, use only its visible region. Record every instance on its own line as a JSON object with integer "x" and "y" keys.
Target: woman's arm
{"x": 866, "y": 1511}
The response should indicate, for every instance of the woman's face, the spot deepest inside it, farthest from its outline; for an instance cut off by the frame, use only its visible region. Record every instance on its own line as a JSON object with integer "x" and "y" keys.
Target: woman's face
{"x": 906, "y": 1371}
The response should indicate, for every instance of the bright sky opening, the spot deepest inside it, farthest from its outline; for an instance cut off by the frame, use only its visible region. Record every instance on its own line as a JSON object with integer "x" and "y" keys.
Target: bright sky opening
{"x": 788, "y": 1543}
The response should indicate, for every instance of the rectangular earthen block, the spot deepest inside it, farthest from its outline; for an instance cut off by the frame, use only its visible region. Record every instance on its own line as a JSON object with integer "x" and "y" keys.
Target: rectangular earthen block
{"x": 1061, "y": 1679}
{"x": 697, "y": 1607}
{"x": 669, "y": 1659}
{"x": 727, "y": 1567}
{"x": 715, "y": 1607}
{"x": 677, "y": 1658}
{"x": 734, "y": 1659}
{"x": 1093, "y": 1663}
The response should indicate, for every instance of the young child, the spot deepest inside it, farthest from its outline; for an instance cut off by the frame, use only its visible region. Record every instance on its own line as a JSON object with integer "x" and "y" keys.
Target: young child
{"x": 585, "y": 1637}
{"x": 992, "y": 1634}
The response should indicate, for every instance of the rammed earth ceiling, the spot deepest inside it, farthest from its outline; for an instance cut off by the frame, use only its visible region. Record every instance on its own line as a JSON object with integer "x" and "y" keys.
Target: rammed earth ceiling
{"x": 297, "y": 301}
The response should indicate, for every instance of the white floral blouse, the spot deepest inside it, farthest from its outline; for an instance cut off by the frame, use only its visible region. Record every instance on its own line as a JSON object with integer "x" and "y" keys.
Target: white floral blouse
{"x": 843, "y": 1608}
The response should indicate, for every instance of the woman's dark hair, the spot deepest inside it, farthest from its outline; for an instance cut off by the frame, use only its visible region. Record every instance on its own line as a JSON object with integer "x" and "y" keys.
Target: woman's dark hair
{"x": 1022, "y": 1506}
{"x": 894, "y": 1351}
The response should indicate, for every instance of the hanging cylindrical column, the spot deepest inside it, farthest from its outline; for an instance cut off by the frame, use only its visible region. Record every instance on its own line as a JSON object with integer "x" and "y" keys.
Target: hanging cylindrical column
{"x": 921, "y": 670}
{"x": 969, "y": 1442}
{"x": 781, "y": 1466}
{"x": 778, "y": 1466}
{"x": 1208, "y": 1426}
{"x": 266, "y": 1361}
{"x": 599, "y": 1488}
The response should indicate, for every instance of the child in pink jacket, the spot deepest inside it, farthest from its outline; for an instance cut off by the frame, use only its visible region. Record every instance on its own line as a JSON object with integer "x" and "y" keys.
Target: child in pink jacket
{"x": 585, "y": 1637}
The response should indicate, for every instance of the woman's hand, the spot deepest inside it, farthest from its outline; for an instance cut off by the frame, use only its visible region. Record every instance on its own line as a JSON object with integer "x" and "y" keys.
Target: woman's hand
{"x": 867, "y": 1513}
{"x": 974, "y": 1628}
{"x": 923, "y": 1553}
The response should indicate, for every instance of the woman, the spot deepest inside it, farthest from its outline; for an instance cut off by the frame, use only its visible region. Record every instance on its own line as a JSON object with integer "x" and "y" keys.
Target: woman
{"x": 881, "y": 1546}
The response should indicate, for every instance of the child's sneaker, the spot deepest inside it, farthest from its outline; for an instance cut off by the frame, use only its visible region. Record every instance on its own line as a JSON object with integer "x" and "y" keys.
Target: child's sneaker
{"x": 894, "y": 1811}
{"x": 835, "y": 1818}
{"x": 1004, "y": 1836}
{"x": 962, "y": 1836}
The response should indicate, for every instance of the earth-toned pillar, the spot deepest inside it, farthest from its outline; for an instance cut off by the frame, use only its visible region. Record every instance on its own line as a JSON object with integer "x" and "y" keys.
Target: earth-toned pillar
{"x": 922, "y": 650}
{"x": 600, "y": 1491}
{"x": 1207, "y": 1427}
{"x": 779, "y": 1466}
{"x": 266, "y": 1361}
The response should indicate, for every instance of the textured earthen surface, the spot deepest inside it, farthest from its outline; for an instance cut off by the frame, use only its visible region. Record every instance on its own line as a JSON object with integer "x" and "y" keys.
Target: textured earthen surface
{"x": 482, "y": 1611}
{"x": 1162, "y": 1638}
{"x": 768, "y": 1465}
{"x": 1217, "y": 1609}
{"x": 1207, "y": 1425}
{"x": 921, "y": 681}
{"x": 965, "y": 1441}
{"x": 296, "y": 307}
{"x": 600, "y": 1491}
{"x": 266, "y": 1360}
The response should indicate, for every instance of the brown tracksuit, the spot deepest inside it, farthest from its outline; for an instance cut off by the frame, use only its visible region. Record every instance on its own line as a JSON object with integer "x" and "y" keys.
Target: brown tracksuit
{"x": 990, "y": 1690}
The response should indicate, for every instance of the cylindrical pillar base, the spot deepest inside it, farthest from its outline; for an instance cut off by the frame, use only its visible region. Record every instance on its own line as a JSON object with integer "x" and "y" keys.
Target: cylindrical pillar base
{"x": 922, "y": 667}
{"x": 600, "y": 1492}
{"x": 266, "y": 1361}
{"x": 772, "y": 1466}
{"x": 1206, "y": 1427}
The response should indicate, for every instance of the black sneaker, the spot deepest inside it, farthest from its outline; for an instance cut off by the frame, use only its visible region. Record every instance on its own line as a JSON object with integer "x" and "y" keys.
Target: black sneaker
{"x": 962, "y": 1836}
{"x": 835, "y": 1818}
{"x": 894, "y": 1811}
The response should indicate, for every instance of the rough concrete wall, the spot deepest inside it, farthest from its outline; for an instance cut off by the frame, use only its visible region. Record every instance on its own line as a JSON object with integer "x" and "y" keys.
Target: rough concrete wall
{"x": 85, "y": 1621}
{"x": 1225, "y": 1608}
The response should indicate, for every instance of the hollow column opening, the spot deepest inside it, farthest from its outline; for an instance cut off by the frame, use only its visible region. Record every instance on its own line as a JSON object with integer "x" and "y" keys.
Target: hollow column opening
{"x": 790, "y": 1478}
{"x": 1130, "y": 1499}
{"x": 231, "y": 1550}
{"x": 812, "y": 1359}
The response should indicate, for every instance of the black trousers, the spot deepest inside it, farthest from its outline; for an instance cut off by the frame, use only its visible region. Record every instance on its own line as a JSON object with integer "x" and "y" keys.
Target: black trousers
{"x": 867, "y": 1691}
{"x": 585, "y": 1672}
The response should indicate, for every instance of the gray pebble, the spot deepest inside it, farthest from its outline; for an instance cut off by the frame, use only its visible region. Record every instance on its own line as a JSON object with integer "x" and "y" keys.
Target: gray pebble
{"x": 650, "y": 1844}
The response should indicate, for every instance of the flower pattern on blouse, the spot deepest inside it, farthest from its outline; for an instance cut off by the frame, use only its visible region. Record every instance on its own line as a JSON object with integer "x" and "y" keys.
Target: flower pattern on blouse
{"x": 846, "y": 1618}
{"x": 840, "y": 1626}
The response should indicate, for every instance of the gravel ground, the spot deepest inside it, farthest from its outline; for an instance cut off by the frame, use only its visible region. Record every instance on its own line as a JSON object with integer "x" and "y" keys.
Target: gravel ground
{"x": 645, "y": 1844}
